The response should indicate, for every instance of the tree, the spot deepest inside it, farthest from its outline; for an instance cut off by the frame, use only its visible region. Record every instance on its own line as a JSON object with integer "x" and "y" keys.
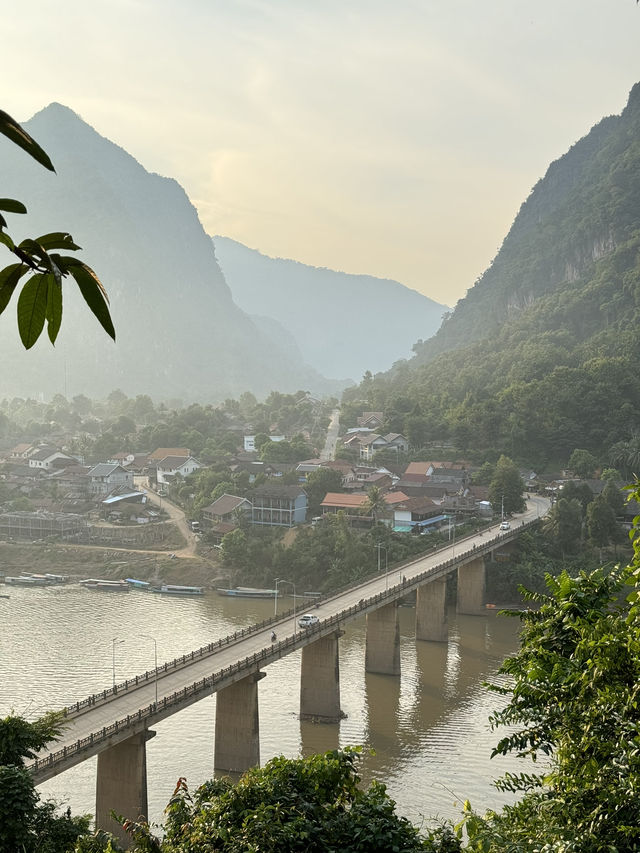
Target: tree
{"x": 506, "y": 484}
{"x": 583, "y": 464}
{"x": 601, "y": 522}
{"x": 26, "y": 824}
{"x": 40, "y": 264}
{"x": 564, "y": 523}
{"x": 318, "y": 484}
{"x": 375, "y": 504}
{"x": 573, "y": 697}
{"x": 309, "y": 804}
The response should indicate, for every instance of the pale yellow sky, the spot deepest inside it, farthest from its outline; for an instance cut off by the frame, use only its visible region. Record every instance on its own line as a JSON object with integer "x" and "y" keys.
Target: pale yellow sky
{"x": 392, "y": 138}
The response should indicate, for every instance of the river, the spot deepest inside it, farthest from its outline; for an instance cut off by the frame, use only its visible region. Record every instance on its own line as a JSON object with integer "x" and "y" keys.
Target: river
{"x": 428, "y": 728}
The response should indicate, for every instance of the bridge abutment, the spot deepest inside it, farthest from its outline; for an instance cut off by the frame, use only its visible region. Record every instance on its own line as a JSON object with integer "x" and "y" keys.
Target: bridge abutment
{"x": 121, "y": 784}
{"x": 431, "y": 612}
{"x": 471, "y": 587}
{"x": 382, "y": 652}
{"x": 320, "y": 680}
{"x": 237, "y": 738}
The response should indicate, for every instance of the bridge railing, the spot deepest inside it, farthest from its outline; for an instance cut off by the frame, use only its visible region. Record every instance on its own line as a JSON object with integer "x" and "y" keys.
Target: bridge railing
{"x": 251, "y": 662}
{"x": 137, "y": 681}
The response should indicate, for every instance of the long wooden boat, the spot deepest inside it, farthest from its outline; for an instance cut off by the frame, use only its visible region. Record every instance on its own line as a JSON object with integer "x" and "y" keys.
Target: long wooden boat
{"x": 105, "y": 585}
{"x": 248, "y": 592}
{"x": 174, "y": 589}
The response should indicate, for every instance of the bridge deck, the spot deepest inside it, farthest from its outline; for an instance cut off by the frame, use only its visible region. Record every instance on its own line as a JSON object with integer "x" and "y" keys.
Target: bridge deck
{"x": 100, "y": 721}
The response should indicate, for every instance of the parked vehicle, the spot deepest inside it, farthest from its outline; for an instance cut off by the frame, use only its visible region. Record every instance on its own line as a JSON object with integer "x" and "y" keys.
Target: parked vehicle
{"x": 308, "y": 620}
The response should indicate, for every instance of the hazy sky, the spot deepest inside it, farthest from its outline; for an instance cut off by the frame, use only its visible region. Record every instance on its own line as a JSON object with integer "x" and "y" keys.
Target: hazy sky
{"x": 392, "y": 138}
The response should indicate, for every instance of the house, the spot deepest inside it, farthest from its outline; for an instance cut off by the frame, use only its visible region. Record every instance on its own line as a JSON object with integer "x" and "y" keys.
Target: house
{"x": 416, "y": 514}
{"x": 105, "y": 478}
{"x": 123, "y": 458}
{"x": 171, "y": 466}
{"x": 45, "y": 457}
{"x": 278, "y": 505}
{"x": 21, "y": 451}
{"x": 226, "y": 509}
{"x": 161, "y": 453}
{"x": 370, "y": 445}
{"x": 371, "y": 420}
{"x": 354, "y": 505}
{"x": 249, "y": 442}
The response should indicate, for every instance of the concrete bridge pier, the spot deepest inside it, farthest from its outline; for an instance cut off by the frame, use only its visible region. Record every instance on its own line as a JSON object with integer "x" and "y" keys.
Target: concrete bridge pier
{"x": 431, "y": 611}
{"x": 121, "y": 784}
{"x": 382, "y": 653}
{"x": 471, "y": 586}
{"x": 320, "y": 680}
{"x": 237, "y": 738}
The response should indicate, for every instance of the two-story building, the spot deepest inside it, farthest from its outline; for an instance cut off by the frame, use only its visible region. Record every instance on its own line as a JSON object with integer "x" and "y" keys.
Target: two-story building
{"x": 170, "y": 466}
{"x": 278, "y": 505}
{"x": 104, "y": 478}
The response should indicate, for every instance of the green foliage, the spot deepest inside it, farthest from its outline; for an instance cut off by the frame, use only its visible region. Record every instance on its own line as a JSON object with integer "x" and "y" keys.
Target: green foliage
{"x": 40, "y": 299}
{"x": 26, "y": 825}
{"x": 583, "y": 464}
{"x": 311, "y": 804}
{"x": 506, "y": 485}
{"x": 573, "y": 698}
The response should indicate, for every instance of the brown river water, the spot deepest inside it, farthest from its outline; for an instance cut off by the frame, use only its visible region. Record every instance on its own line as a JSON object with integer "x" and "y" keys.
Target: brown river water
{"x": 426, "y": 733}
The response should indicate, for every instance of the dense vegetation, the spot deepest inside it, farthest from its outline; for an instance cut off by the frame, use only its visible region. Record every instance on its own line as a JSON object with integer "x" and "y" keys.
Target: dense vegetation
{"x": 541, "y": 356}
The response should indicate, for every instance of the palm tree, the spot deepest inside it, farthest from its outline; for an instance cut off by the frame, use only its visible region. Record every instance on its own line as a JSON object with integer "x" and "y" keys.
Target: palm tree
{"x": 375, "y": 504}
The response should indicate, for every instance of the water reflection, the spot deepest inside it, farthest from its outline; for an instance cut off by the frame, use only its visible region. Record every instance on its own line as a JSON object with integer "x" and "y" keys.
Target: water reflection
{"x": 428, "y": 728}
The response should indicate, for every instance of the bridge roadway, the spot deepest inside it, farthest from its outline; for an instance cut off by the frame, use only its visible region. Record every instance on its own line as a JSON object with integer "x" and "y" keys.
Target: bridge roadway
{"x": 108, "y": 718}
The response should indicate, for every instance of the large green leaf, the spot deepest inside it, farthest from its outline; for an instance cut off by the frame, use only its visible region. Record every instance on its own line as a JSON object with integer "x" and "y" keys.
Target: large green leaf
{"x": 32, "y": 309}
{"x": 57, "y": 240}
{"x": 4, "y": 238}
{"x": 54, "y": 308}
{"x": 12, "y": 205}
{"x": 9, "y": 278}
{"x": 93, "y": 292}
{"x": 12, "y": 130}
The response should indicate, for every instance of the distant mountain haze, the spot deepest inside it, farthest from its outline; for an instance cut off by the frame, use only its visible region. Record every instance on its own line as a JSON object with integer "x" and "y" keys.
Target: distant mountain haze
{"x": 182, "y": 333}
{"x": 179, "y": 332}
{"x": 344, "y": 324}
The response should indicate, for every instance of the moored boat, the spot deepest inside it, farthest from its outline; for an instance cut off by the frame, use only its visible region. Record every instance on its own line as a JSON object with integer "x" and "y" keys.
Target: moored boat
{"x": 25, "y": 580}
{"x": 106, "y": 585}
{"x": 248, "y": 592}
{"x": 174, "y": 589}
{"x": 136, "y": 584}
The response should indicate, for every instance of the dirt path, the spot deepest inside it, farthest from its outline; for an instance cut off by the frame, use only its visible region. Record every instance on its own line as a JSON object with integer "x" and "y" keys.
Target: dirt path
{"x": 175, "y": 514}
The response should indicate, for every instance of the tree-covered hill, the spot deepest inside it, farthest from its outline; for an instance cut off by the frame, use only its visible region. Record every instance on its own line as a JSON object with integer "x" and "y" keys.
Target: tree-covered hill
{"x": 542, "y": 355}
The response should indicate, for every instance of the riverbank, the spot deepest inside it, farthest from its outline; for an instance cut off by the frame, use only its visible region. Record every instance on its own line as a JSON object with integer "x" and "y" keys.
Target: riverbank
{"x": 83, "y": 561}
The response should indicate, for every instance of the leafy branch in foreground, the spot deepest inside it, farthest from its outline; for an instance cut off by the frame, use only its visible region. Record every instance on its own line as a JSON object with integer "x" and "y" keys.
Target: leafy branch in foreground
{"x": 40, "y": 299}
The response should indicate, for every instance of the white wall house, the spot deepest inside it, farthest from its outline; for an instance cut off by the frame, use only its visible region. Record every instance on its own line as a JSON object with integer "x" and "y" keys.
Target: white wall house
{"x": 171, "y": 465}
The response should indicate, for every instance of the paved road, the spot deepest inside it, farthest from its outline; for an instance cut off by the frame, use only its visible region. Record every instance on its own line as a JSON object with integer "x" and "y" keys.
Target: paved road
{"x": 329, "y": 451}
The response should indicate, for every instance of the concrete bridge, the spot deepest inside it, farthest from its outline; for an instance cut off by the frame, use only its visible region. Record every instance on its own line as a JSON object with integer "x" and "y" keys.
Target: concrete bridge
{"x": 115, "y": 724}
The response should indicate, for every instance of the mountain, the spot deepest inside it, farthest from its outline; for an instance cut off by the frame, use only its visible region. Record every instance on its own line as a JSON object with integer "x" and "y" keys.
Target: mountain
{"x": 344, "y": 324}
{"x": 179, "y": 332}
{"x": 542, "y": 356}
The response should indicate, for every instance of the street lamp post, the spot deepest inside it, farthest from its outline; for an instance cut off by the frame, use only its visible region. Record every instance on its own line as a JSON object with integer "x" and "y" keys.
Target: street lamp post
{"x": 379, "y": 545}
{"x": 155, "y": 660}
{"x": 114, "y": 642}
{"x": 502, "y": 512}
{"x": 283, "y": 580}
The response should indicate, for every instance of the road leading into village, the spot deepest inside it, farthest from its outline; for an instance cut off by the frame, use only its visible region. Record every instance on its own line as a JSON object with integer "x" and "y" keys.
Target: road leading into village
{"x": 175, "y": 514}
{"x": 329, "y": 451}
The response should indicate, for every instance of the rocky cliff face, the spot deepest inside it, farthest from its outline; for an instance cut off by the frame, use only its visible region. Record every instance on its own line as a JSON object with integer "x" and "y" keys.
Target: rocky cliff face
{"x": 584, "y": 208}
{"x": 179, "y": 332}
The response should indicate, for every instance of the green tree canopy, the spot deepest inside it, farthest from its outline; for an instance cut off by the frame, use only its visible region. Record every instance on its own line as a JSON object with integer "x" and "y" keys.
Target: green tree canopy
{"x": 506, "y": 484}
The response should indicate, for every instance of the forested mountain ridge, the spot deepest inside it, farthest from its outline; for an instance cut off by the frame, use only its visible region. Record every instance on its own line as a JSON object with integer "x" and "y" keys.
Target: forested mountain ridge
{"x": 179, "y": 333}
{"x": 585, "y": 206}
{"x": 543, "y": 354}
